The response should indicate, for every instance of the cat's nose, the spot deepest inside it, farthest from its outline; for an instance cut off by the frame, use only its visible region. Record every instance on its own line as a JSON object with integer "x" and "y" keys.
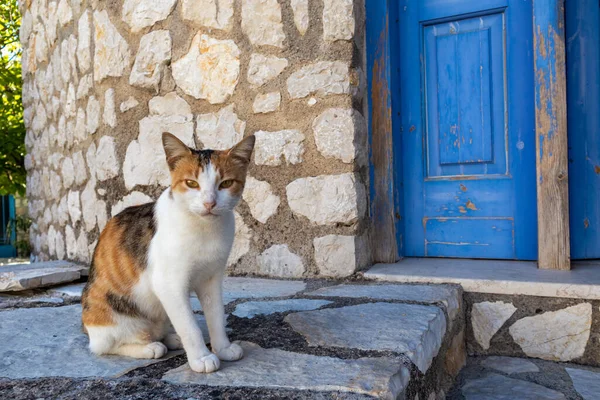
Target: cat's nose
{"x": 209, "y": 205}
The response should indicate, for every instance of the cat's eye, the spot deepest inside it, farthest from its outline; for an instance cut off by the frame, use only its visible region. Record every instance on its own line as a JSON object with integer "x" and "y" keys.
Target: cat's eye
{"x": 226, "y": 184}
{"x": 192, "y": 184}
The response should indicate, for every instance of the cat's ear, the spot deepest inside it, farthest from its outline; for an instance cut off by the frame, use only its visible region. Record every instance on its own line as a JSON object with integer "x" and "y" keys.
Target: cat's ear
{"x": 174, "y": 149}
{"x": 243, "y": 150}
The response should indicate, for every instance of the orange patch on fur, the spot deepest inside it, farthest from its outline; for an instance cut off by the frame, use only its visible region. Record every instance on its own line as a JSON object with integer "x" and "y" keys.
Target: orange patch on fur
{"x": 114, "y": 271}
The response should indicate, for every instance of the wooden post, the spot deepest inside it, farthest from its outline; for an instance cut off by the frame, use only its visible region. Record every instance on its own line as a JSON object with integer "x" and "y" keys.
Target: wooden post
{"x": 551, "y": 134}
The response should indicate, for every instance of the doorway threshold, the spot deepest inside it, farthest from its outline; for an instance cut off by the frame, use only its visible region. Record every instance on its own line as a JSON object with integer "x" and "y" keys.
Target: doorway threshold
{"x": 496, "y": 276}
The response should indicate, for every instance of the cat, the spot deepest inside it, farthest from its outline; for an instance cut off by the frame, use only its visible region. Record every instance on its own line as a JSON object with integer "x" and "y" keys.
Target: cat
{"x": 150, "y": 257}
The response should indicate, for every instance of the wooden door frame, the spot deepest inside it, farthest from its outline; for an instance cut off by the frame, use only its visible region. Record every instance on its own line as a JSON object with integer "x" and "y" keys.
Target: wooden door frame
{"x": 385, "y": 148}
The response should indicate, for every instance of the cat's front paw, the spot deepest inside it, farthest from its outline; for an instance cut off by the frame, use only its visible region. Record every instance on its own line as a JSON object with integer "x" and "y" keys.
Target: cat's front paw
{"x": 233, "y": 352}
{"x": 206, "y": 364}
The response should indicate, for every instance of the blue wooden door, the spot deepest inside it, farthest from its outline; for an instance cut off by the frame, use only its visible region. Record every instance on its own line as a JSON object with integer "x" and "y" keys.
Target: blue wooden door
{"x": 583, "y": 111}
{"x": 467, "y": 126}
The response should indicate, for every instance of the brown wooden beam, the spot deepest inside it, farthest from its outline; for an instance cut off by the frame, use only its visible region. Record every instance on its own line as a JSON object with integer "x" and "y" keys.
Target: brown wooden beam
{"x": 551, "y": 135}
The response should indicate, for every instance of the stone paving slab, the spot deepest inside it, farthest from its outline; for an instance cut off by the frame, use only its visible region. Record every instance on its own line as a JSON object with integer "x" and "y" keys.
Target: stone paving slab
{"x": 414, "y": 330}
{"x": 499, "y": 387}
{"x": 45, "y": 342}
{"x": 445, "y": 294}
{"x": 586, "y": 383}
{"x": 19, "y": 277}
{"x": 510, "y": 365}
{"x": 383, "y": 377}
{"x": 236, "y": 288}
{"x": 73, "y": 291}
{"x": 251, "y": 309}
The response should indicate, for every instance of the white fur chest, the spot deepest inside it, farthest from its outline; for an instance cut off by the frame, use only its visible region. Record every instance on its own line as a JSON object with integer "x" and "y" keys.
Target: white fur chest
{"x": 190, "y": 245}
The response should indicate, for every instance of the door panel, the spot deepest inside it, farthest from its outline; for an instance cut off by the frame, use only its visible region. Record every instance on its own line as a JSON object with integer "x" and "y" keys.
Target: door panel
{"x": 467, "y": 112}
{"x": 583, "y": 110}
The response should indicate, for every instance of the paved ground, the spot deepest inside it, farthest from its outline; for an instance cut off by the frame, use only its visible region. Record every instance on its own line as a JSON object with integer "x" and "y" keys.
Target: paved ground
{"x": 503, "y": 378}
{"x": 302, "y": 340}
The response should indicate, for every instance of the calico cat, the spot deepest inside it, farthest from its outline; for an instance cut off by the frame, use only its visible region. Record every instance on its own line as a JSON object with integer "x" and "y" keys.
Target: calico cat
{"x": 150, "y": 257}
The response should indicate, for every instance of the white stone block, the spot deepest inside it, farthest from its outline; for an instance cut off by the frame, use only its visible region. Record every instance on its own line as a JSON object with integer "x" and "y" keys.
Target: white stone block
{"x": 111, "y": 51}
{"x": 266, "y": 103}
{"x": 271, "y": 147}
{"x": 260, "y": 198}
{"x": 241, "y": 241}
{"x": 152, "y": 57}
{"x": 279, "y": 261}
{"x": 301, "y": 17}
{"x": 556, "y": 335}
{"x": 139, "y": 14}
{"x": 210, "y": 70}
{"x": 338, "y": 20}
{"x": 216, "y": 14}
{"x": 107, "y": 165}
{"x": 335, "y": 132}
{"x": 327, "y": 199}
{"x": 335, "y": 255}
{"x": 321, "y": 78}
{"x": 263, "y": 69}
{"x": 220, "y": 130}
{"x": 261, "y": 22}
{"x": 132, "y": 199}
{"x": 487, "y": 318}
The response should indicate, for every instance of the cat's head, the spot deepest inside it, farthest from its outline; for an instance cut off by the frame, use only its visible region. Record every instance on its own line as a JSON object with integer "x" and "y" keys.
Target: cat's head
{"x": 208, "y": 182}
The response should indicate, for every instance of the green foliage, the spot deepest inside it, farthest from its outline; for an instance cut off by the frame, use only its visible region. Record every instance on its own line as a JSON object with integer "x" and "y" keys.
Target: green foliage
{"x": 12, "y": 129}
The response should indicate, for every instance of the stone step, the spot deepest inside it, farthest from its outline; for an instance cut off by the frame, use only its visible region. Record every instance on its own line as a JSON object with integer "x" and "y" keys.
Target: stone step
{"x": 19, "y": 277}
{"x": 513, "y": 308}
{"x": 365, "y": 340}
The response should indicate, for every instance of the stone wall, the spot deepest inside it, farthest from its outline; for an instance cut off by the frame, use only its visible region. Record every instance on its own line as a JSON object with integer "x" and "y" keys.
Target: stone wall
{"x": 103, "y": 80}
{"x": 550, "y": 328}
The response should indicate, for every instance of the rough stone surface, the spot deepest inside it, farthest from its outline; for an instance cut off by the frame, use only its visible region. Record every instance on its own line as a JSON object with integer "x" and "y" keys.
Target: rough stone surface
{"x": 510, "y": 365}
{"x": 338, "y": 20}
{"x": 84, "y": 55}
{"x": 335, "y": 135}
{"x": 263, "y": 69}
{"x": 587, "y": 383}
{"x": 110, "y": 115}
{"x": 18, "y": 277}
{"x": 327, "y": 199}
{"x": 73, "y": 291}
{"x": 487, "y": 318}
{"x": 273, "y": 368}
{"x": 220, "y": 130}
{"x": 216, "y": 14}
{"x": 139, "y": 14}
{"x": 93, "y": 115}
{"x": 85, "y": 85}
{"x": 241, "y": 241}
{"x": 64, "y": 12}
{"x": 74, "y": 206}
{"x": 266, "y": 103}
{"x": 279, "y": 261}
{"x": 210, "y": 70}
{"x": 271, "y": 147}
{"x": 111, "y": 57}
{"x": 260, "y": 198}
{"x": 107, "y": 165}
{"x": 301, "y": 16}
{"x": 45, "y": 332}
{"x": 128, "y": 104}
{"x": 152, "y": 57}
{"x": 413, "y": 330}
{"x": 132, "y": 199}
{"x": 321, "y": 78}
{"x": 145, "y": 162}
{"x": 456, "y": 356}
{"x": 261, "y": 22}
{"x": 496, "y": 387}
{"x": 241, "y": 288}
{"x": 335, "y": 255}
{"x": 251, "y": 309}
{"x": 449, "y": 296}
{"x": 557, "y": 335}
